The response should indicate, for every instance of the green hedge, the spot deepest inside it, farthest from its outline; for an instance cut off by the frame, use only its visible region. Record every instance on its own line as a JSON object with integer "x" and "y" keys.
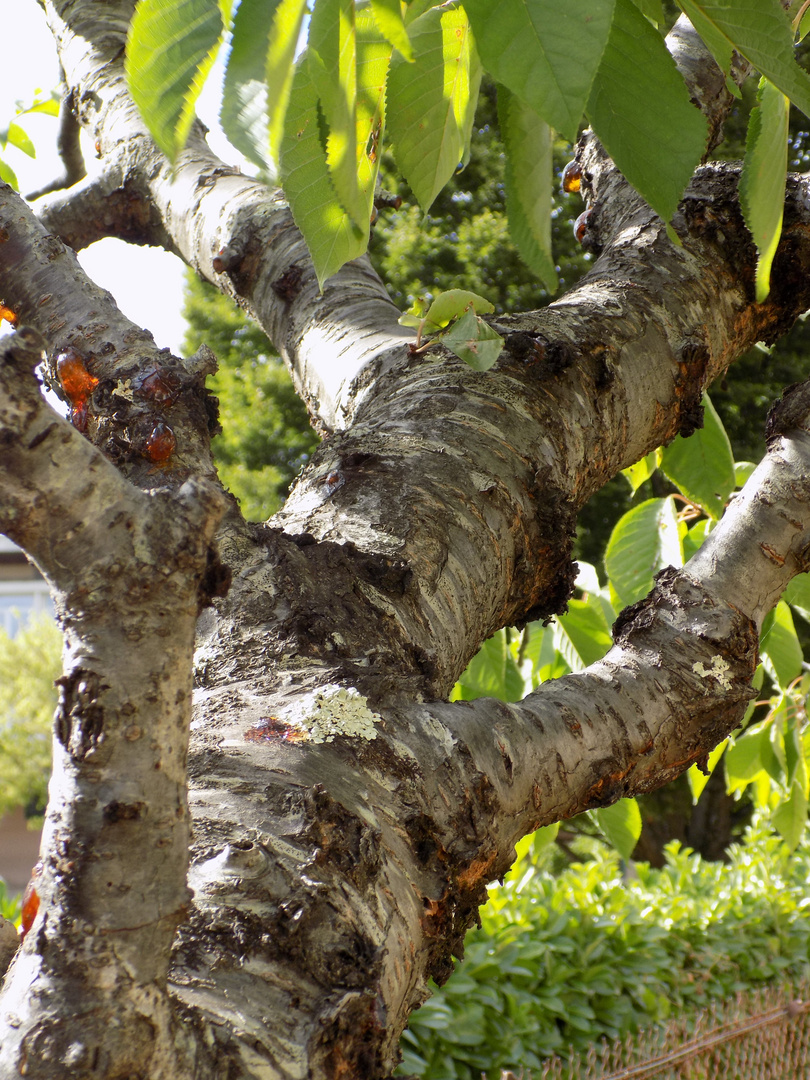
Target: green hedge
{"x": 564, "y": 960}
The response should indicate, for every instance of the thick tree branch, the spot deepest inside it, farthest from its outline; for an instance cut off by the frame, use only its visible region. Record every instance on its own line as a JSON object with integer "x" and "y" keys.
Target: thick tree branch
{"x": 129, "y": 572}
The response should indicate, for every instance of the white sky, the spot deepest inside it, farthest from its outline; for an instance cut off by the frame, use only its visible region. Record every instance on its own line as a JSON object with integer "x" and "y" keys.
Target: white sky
{"x": 146, "y": 282}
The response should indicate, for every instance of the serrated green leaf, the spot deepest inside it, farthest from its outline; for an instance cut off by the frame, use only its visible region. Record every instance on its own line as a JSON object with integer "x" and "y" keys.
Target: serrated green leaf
{"x": 780, "y": 647}
{"x": 644, "y": 540}
{"x": 790, "y": 817}
{"x": 621, "y": 825}
{"x": 764, "y": 177}
{"x": 49, "y": 106}
{"x": 743, "y": 759}
{"x": 642, "y": 470}
{"x": 451, "y": 305}
{"x": 702, "y": 466}
{"x": 695, "y": 538}
{"x": 545, "y": 52}
{"x": 284, "y": 34}
{"x": 582, "y": 635}
{"x": 8, "y": 176}
{"x": 652, "y": 9}
{"x": 333, "y": 62}
{"x": 760, "y": 32}
{"x": 473, "y": 341}
{"x": 171, "y": 47}
{"x": 388, "y": 17}
{"x": 243, "y": 114}
{"x": 431, "y": 102}
{"x": 528, "y": 142}
{"x": 18, "y": 137}
{"x": 332, "y": 237}
{"x": 373, "y": 60}
{"x": 804, "y": 26}
{"x": 640, "y": 109}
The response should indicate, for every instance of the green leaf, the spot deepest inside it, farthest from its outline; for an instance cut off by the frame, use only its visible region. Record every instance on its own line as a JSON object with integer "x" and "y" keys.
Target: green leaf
{"x": 797, "y": 595}
{"x": 373, "y": 60}
{"x": 388, "y": 17}
{"x": 473, "y": 341}
{"x": 644, "y": 540}
{"x": 333, "y": 62}
{"x": 171, "y": 47}
{"x": 243, "y": 114}
{"x": 697, "y": 778}
{"x": 760, "y": 32}
{"x": 621, "y": 825}
{"x": 332, "y": 237}
{"x": 50, "y": 106}
{"x": 743, "y": 759}
{"x": 19, "y": 138}
{"x": 780, "y": 647}
{"x": 451, "y": 305}
{"x": 582, "y": 635}
{"x": 284, "y": 34}
{"x": 764, "y": 176}
{"x": 642, "y": 470}
{"x": 702, "y": 466}
{"x": 652, "y": 9}
{"x": 8, "y": 176}
{"x": 545, "y": 52}
{"x": 790, "y": 817}
{"x": 431, "y": 102}
{"x": 742, "y": 472}
{"x": 490, "y": 673}
{"x": 528, "y": 181}
{"x": 640, "y": 109}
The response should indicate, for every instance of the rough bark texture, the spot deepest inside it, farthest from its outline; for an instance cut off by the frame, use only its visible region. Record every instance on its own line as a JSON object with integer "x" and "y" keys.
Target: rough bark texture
{"x": 345, "y": 819}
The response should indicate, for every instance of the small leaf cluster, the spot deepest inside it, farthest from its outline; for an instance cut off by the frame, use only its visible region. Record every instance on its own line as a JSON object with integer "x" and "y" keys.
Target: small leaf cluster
{"x": 563, "y": 960}
{"x": 454, "y": 320}
{"x": 408, "y": 75}
{"x": 14, "y": 134}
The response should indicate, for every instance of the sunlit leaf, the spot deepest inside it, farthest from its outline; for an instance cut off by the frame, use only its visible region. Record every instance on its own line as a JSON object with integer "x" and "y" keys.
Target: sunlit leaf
{"x": 331, "y": 236}
{"x": 702, "y": 466}
{"x": 764, "y": 176}
{"x": 333, "y": 63}
{"x": 16, "y": 136}
{"x": 582, "y": 635}
{"x": 645, "y": 540}
{"x": 452, "y": 304}
{"x": 388, "y": 17}
{"x": 431, "y": 102}
{"x": 698, "y": 779}
{"x": 244, "y": 112}
{"x": 8, "y": 176}
{"x": 790, "y": 817}
{"x": 641, "y": 110}
{"x": 782, "y": 653}
{"x": 528, "y": 182}
{"x": 284, "y": 34}
{"x": 621, "y": 824}
{"x": 474, "y": 341}
{"x": 642, "y": 470}
{"x": 545, "y": 52}
{"x": 373, "y": 59}
{"x": 171, "y": 47}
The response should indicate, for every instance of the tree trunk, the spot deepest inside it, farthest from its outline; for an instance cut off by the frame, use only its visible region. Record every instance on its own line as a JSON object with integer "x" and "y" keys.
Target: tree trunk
{"x": 345, "y": 819}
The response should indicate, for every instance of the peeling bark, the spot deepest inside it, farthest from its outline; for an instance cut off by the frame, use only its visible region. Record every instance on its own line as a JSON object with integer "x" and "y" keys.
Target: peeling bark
{"x": 345, "y": 819}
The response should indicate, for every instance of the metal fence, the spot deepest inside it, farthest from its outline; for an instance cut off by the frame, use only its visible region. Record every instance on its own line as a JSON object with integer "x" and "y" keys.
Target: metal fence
{"x": 761, "y": 1036}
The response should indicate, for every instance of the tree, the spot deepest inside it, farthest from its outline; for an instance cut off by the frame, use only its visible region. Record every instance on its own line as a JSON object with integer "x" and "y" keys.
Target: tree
{"x": 346, "y": 817}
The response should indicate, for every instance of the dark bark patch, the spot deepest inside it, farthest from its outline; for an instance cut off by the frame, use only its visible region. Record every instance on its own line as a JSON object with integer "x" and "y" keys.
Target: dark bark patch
{"x": 790, "y": 412}
{"x": 79, "y": 718}
{"x": 117, "y": 811}
{"x": 215, "y": 582}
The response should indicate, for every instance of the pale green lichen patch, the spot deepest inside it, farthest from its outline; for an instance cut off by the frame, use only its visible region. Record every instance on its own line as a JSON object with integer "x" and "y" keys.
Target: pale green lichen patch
{"x": 330, "y": 711}
{"x": 716, "y": 671}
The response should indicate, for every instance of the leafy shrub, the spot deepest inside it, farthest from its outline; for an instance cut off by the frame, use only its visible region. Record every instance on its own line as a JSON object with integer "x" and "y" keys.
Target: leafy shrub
{"x": 564, "y": 961}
